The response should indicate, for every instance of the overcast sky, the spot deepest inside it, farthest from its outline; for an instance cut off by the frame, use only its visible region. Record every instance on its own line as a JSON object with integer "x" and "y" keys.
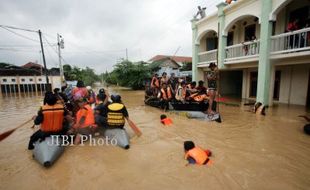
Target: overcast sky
{"x": 96, "y": 33}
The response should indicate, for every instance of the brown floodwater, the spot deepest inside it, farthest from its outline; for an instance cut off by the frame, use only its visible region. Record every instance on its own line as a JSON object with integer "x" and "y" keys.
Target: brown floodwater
{"x": 249, "y": 151}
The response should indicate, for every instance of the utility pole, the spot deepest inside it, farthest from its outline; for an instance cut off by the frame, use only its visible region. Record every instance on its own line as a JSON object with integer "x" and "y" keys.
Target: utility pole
{"x": 42, "y": 50}
{"x": 60, "y": 44}
{"x": 126, "y": 54}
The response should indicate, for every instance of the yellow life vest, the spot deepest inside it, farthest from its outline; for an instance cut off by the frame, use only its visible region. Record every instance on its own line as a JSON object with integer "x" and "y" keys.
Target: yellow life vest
{"x": 115, "y": 116}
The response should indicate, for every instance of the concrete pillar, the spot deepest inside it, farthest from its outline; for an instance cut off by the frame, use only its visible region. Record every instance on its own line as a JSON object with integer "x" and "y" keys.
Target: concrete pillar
{"x": 245, "y": 86}
{"x": 271, "y": 88}
{"x": 264, "y": 65}
{"x": 195, "y": 48}
{"x": 222, "y": 38}
{"x": 18, "y": 83}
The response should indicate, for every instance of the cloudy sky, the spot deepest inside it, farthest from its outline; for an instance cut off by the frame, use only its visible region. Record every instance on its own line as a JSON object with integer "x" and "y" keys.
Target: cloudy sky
{"x": 96, "y": 33}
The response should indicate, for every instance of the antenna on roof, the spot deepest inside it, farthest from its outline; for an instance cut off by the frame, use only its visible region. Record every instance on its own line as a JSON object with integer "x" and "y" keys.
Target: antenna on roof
{"x": 176, "y": 51}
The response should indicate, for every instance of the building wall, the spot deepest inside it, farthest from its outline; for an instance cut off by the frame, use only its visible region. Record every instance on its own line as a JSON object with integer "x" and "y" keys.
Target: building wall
{"x": 294, "y": 84}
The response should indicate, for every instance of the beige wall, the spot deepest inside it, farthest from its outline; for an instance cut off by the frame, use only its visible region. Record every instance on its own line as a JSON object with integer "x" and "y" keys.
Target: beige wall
{"x": 294, "y": 84}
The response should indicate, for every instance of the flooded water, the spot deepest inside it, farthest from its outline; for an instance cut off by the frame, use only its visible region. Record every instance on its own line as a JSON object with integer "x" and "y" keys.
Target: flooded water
{"x": 249, "y": 151}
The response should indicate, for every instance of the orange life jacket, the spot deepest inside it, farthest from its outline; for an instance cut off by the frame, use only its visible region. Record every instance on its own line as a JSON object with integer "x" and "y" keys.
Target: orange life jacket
{"x": 88, "y": 113}
{"x": 166, "y": 121}
{"x": 199, "y": 98}
{"x": 199, "y": 155}
{"x": 53, "y": 117}
{"x": 155, "y": 83}
{"x": 165, "y": 95}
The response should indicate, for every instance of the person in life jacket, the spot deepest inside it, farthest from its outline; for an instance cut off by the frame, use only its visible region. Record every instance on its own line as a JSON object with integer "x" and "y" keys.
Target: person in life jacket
{"x": 196, "y": 155}
{"x": 117, "y": 113}
{"x": 182, "y": 94}
{"x": 91, "y": 95}
{"x": 165, "y": 120}
{"x": 51, "y": 117}
{"x": 165, "y": 95}
{"x": 85, "y": 120}
{"x": 155, "y": 84}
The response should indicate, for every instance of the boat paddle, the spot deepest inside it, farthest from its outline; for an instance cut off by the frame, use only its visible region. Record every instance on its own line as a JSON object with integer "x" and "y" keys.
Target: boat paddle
{"x": 9, "y": 132}
{"x": 134, "y": 127}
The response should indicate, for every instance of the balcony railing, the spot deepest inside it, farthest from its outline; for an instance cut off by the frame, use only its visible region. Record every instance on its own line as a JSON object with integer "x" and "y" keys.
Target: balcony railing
{"x": 298, "y": 40}
{"x": 243, "y": 50}
{"x": 207, "y": 56}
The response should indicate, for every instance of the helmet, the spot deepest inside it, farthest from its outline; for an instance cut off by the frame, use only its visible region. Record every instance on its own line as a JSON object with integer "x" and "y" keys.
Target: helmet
{"x": 116, "y": 98}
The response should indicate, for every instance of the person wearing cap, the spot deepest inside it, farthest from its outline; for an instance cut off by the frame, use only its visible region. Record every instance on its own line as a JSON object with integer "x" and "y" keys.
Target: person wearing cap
{"x": 51, "y": 117}
{"x": 105, "y": 94}
{"x": 85, "y": 120}
{"x": 212, "y": 77}
{"x": 117, "y": 113}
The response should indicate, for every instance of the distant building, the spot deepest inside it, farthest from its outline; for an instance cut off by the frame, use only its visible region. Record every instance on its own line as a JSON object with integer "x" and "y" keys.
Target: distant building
{"x": 27, "y": 78}
{"x": 170, "y": 64}
{"x": 262, "y": 50}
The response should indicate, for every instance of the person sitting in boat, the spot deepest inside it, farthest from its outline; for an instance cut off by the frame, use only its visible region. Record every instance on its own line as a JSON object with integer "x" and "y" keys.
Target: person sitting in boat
{"x": 78, "y": 92}
{"x": 103, "y": 93}
{"x": 155, "y": 84}
{"x": 164, "y": 78}
{"x": 200, "y": 88}
{"x": 91, "y": 95}
{"x": 51, "y": 117}
{"x": 212, "y": 77}
{"x": 85, "y": 120}
{"x": 165, "y": 95}
{"x": 192, "y": 87}
{"x": 182, "y": 93}
{"x": 101, "y": 111}
{"x": 116, "y": 113}
{"x": 196, "y": 155}
{"x": 173, "y": 82}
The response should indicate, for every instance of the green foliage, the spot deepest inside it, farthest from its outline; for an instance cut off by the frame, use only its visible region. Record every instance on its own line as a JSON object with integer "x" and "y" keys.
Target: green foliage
{"x": 187, "y": 66}
{"x": 129, "y": 74}
{"x": 4, "y": 65}
{"x": 87, "y": 75}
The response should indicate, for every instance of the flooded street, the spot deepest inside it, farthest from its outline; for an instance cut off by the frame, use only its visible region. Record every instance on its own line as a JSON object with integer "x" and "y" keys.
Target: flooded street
{"x": 249, "y": 151}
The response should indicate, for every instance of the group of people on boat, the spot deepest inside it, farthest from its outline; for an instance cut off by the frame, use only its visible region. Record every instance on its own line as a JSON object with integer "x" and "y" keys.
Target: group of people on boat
{"x": 70, "y": 112}
{"x": 167, "y": 89}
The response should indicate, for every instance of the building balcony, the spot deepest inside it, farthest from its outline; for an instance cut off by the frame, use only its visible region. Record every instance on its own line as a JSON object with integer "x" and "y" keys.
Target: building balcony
{"x": 207, "y": 57}
{"x": 291, "y": 42}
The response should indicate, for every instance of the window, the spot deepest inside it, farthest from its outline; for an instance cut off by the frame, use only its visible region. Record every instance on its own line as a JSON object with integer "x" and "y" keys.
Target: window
{"x": 13, "y": 80}
{"x": 4, "y": 80}
{"x": 30, "y": 80}
{"x": 23, "y": 80}
{"x": 40, "y": 80}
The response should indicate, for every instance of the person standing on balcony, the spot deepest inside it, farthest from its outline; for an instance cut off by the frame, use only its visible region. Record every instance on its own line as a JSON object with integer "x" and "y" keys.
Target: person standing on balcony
{"x": 253, "y": 45}
{"x": 293, "y": 39}
{"x": 212, "y": 76}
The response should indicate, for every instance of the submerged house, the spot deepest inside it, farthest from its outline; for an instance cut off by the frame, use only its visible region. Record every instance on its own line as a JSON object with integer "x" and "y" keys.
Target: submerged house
{"x": 27, "y": 78}
{"x": 262, "y": 48}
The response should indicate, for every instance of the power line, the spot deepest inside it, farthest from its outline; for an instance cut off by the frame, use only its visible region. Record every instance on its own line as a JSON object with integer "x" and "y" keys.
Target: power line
{"x": 12, "y": 27}
{"x": 20, "y": 35}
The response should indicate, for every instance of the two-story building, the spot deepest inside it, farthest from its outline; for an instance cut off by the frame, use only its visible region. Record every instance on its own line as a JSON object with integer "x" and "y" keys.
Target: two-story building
{"x": 262, "y": 50}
